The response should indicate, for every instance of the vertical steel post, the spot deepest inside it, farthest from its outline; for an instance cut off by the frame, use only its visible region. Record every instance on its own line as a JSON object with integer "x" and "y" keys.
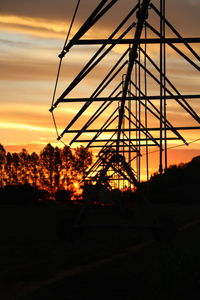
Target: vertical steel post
{"x": 142, "y": 15}
{"x": 145, "y": 111}
{"x": 129, "y": 126}
{"x": 139, "y": 110}
{"x": 161, "y": 88}
{"x": 164, "y": 85}
{"x": 136, "y": 114}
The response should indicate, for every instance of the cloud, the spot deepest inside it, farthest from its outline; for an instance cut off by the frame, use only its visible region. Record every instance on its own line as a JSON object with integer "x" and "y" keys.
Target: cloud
{"x": 21, "y": 126}
{"x": 60, "y": 10}
{"x": 55, "y": 17}
{"x": 33, "y": 26}
{"x": 33, "y": 33}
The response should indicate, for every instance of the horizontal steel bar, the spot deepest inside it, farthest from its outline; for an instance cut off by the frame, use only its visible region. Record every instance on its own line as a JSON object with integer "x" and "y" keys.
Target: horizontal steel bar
{"x": 128, "y": 151}
{"x": 141, "y": 41}
{"x": 126, "y": 140}
{"x": 135, "y": 129}
{"x": 114, "y": 226}
{"x": 156, "y": 97}
{"x": 89, "y": 179}
{"x": 125, "y": 146}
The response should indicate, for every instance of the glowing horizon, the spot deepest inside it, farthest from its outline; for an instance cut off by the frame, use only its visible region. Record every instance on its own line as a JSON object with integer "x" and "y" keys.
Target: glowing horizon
{"x": 31, "y": 39}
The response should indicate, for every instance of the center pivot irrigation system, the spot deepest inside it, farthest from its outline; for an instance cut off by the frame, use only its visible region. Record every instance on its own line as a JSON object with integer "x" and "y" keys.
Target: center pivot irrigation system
{"x": 138, "y": 90}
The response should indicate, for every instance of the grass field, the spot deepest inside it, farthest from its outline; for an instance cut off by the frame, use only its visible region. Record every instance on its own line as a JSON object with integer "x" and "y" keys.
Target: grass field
{"x": 31, "y": 253}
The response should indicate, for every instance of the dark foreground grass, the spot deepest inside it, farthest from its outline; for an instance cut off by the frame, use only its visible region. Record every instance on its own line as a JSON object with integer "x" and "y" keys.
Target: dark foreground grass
{"x": 31, "y": 254}
{"x": 160, "y": 271}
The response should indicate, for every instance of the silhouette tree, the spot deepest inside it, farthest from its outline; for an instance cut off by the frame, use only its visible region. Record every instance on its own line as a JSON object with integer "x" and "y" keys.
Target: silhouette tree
{"x": 178, "y": 184}
{"x": 82, "y": 160}
{"x": 8, "y": 168}
{"x": 56, "y": 169}
{"x": 24, "y": 173}
{"x": 34, "y": 169}
{"x": 58, "y": 166}
{"x": 2, "y": 164}
{"x": 53, "y": 169}
{"x": 47, "y": 164}
{"x": 67, "y": 172}
{"x": 15, "y": 168}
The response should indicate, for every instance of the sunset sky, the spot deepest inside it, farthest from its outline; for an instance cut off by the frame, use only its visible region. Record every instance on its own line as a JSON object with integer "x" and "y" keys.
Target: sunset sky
{"x": 32, "y": 34}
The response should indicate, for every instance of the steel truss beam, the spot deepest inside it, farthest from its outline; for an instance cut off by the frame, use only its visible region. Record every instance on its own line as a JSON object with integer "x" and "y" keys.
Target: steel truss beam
{"x": 123, "y": 140}
{"x": 137, "y": 129}
{"x": 138, "y": 41}
{"x": 121, "y": 151}
{"x": 156, "y": 97}
{"x": 128, "y": 126}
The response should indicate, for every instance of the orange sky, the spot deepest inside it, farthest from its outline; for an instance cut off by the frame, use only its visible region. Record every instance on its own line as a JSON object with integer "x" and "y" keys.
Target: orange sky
{"x": 31, "y": 37}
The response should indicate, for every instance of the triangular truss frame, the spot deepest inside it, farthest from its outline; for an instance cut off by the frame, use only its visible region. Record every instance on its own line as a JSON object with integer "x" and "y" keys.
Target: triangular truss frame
{"x": 127, "y": 128}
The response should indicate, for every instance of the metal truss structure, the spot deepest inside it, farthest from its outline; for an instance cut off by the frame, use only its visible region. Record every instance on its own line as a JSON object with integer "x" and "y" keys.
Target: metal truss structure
{"x": 134, "y": 103}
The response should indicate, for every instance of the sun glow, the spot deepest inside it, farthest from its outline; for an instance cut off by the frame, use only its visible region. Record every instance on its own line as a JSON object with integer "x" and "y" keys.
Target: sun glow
{"x": 31, "y": 39}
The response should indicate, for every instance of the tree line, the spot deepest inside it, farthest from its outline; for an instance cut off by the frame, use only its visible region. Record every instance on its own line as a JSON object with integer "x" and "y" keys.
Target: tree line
{"x": 178, "y": 184}
{"x": 52, "y": 169}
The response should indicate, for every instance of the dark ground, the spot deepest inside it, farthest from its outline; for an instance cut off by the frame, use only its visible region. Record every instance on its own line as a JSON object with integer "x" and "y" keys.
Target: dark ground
{"x": 32, "y": 257}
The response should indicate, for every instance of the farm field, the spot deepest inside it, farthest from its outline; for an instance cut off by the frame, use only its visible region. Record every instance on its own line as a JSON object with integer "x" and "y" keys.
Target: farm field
{"x": 31, "y": 254}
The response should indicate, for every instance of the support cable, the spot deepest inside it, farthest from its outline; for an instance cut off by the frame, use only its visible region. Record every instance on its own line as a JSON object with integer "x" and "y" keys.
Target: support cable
{"x": 176, "y": 146}
{"x": 101, "y": 9}
{"x": 175, "y": 31}
{"x": 94, "y": 61}
{"x": 59, "y": 68}
{"x": 68, "y": 34}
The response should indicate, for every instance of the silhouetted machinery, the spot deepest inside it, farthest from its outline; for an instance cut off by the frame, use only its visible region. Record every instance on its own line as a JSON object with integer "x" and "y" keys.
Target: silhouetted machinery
{"x": 116, "y": 163}
{"x": 130, "y": 109}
